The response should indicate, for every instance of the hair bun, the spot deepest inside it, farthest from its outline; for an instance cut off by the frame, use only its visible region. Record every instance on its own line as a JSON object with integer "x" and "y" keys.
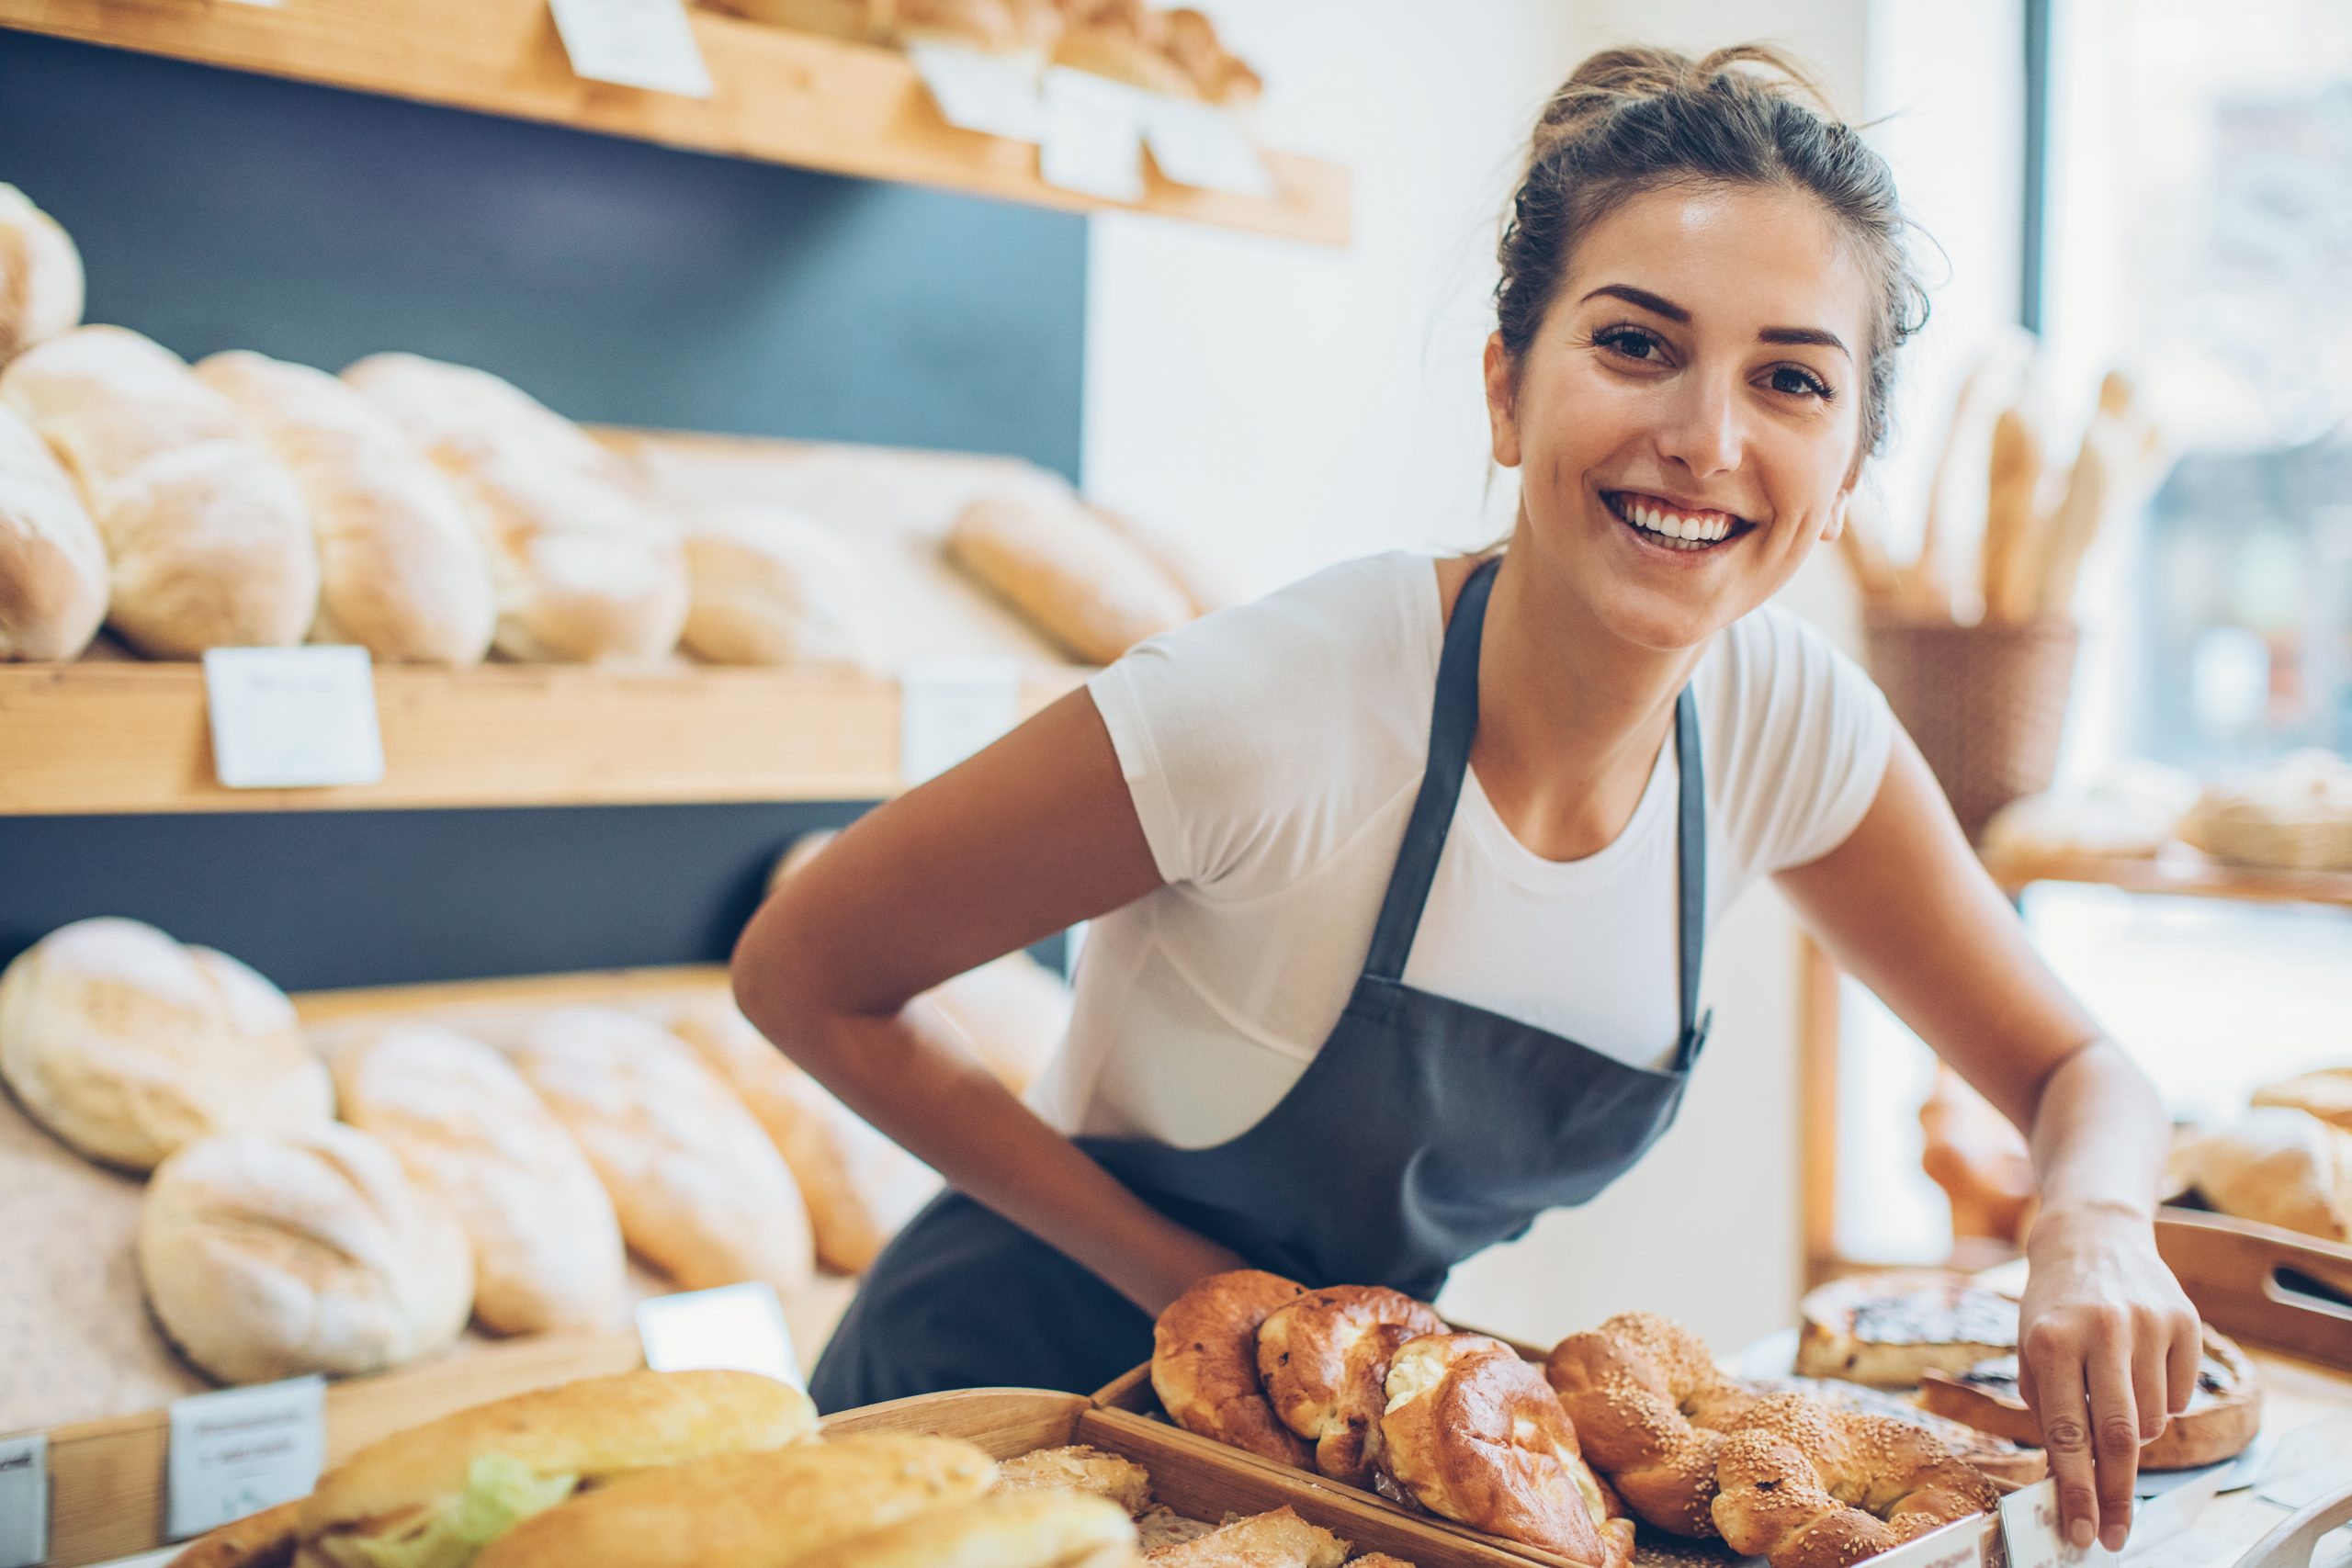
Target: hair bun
{"x": 1612, "y": 78}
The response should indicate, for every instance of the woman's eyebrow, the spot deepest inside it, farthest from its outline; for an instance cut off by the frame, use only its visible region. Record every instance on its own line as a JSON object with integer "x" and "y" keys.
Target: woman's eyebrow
{"x": 1658, "y": 305}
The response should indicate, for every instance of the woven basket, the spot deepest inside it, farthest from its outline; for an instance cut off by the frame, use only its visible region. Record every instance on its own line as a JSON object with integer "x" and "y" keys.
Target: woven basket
{"x": 1986, "y": 703}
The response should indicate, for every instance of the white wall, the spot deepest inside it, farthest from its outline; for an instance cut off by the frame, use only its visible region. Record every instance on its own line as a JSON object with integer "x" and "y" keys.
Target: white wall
{"x": 1290, "y": 406}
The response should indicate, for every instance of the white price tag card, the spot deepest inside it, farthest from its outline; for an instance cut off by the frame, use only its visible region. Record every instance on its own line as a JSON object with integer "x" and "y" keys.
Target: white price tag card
{"x": 243, "y": 1450}
{"x": 1196, "y": 144}
{"x": 293, "y": 718}
{"x": 737, "y": 1329}
{"x": 1960, "y": 1545}
{"x": 2030, "y": 1523}
{"x": 949, "y": 708}
{"x": 1094, "y": 136}
{"x": 633, "y": 43}
{"x": 24, "y": 1500}
{"x": 986, "y": 93}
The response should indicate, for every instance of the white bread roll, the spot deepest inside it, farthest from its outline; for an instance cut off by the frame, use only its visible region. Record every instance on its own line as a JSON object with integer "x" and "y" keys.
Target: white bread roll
{"x": 127, "y": 1045}
{"x": 1073, "y": 576}
{"x": 2277, "y": 1167}
{"x": 206, "y": 539}
{"x": 585, "y": 570}
{"x": 470, "y": 1133}
{"x": 40, "y": 276}
{"x": 1019, "y": 1529}
{"x": 270, "y": 1257}
{"x": 402, "y": 571}
{"x": 700, "y": 1192}
{"x": 52, "y": 563}
{"x": 860, "y": 1187}
{"x": 773, "y": 587}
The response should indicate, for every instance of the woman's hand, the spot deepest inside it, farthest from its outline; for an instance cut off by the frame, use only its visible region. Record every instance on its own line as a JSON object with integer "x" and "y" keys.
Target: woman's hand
{"x": 2108, "y": 1352}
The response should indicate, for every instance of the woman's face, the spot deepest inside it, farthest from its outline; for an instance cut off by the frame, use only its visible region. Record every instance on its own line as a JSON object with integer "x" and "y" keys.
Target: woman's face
{"x": 1702, "y": 367}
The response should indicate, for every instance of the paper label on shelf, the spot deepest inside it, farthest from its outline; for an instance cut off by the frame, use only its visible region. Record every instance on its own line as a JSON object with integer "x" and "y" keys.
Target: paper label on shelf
{"x": 949, "y": 708}
{"x": 1198, "y": 144}
{"x": 2308, "y": 1464}
{"x": 1959, "y": 1545}
{"x": 243, "y": 1450}
{"x": 2029, "y": 1523}
{"x": 1094, "y": 136}
{"x": 633, "y": 43}
{"x": 737, "y": 1329}
{"x": 986, "y": 93}
{"x": 24, "y": 1500}
{"x": 293, "y": 718}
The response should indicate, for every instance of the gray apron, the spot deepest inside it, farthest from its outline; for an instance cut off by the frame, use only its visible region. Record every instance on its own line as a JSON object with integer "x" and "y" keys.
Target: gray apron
{"x": 1424, "y": 1130}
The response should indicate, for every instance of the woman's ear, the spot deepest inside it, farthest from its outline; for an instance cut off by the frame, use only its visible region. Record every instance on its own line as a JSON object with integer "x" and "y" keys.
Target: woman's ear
{"x": 1836, "y": 521}
{"x": 1502, "y": 420}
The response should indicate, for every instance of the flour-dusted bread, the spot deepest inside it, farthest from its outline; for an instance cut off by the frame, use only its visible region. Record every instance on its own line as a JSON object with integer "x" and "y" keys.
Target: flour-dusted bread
{"x": 701, "y": 1192}
{"x": 861, "y": 1187}
{"x": 1076, "y": 578}
{"x": 2277, "y": 1166}
{"x": 470, "y": 1133}
{"x": 585, "y": 570}
{"x": 772, "y": 586}
{"x": 207, "y": 538}
{"x": 271, "y": 1255}
{"x": 52, "y": 563}
{"x": 40, "y": 274}
{"x": 402, "y": 571}
{"x": 127, "y": 1045}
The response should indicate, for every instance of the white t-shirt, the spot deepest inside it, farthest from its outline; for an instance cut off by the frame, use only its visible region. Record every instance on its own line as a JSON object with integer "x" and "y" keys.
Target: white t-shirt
{"x": 1273, "y": 751}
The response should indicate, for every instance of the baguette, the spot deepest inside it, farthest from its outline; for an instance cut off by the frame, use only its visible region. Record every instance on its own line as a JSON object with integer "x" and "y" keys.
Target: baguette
{"x": 2012, "y": 520}
{"x": 1069, "y": 573}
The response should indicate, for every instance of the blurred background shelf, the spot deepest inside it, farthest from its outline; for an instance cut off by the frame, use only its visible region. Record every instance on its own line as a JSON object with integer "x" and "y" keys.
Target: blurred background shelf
{"x": 779, "y": 96}
{"x": 2179, "y": 870}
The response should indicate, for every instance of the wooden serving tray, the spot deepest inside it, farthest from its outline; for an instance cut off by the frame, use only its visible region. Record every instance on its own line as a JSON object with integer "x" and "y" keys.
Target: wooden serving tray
{"x": 2262, "y": 1285}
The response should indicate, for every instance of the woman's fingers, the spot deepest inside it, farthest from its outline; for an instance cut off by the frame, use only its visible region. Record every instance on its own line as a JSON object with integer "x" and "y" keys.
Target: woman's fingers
{"x": 2115, "y": 1427}
{"x": 2051, "y": 1362}
{"x": 2152, "y": 1343}
{"x": 2185, "y": 1363}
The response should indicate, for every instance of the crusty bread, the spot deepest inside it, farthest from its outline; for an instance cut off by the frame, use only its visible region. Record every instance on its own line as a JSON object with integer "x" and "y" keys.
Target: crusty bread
{"x": 401, "y": 571}
{"x": 749, "y": 1510}
{"x": 52, "y": 563}
{"x": 1203, "y": 582}
{"x": 270, "y": 1257}
{"x": 588, "y": 1430}
{"x": 207, "y": 538}
{"x": 1204, "y": 1362}
{"x": 1072, "y": 575}
{"x": 772, "y": 586}
{"x": 991, "y": 27}
{"x": 1276, "y": 1539}
{"x": 860, "y": 1187}
{"x": 469, "y": 1132}
{"x": 2326, "y": 1094}
{"x": 1119, "y": 41}
{"x": 1885, "y": 1329}
{"x": 128, "y": 1045}
{"x": 266, "y": 1539}
{"x": 1027, "y": 1529}
{"x": 700, "y": 1191}
{"x": 2277, "y": 1166}
{"x": 584, "y": 568}
{"x": 40, "y": 274}
{"x": 1079, "y": 1468}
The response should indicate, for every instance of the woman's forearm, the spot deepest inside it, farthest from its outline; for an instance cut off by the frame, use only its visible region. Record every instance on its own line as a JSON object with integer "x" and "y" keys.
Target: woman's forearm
{"x": 2099, "y": 1136}
{"x": 909, "y": 1077}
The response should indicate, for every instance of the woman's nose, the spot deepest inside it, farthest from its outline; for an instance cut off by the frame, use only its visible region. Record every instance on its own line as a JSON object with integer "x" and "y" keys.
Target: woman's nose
{"x": 1701, "y": 432}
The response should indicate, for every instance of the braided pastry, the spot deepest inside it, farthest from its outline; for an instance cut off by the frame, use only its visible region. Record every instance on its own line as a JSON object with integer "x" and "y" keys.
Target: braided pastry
{"x": 1649, "y": 1408}
{"x": 1790, "y": 1465}
{"x": 1474, "y": 1433}
{"x": 1324, "y": 1361}
{"x": 1204, "y": 1363}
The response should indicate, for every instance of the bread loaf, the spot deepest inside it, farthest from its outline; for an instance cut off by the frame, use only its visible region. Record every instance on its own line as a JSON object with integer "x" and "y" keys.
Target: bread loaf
{"x": 472, "y": 1136}
{"x": 270, "y": 1257}
{"x": 1070, "y": 573}
{"x": 53, "y": 564}
{"x": 700, "y": 1192}
{"x": 1118, "y": 40}
{"x": 40, "y": 276}
{"x": 860, "y": 1187}
{"x": 773, "y": 587}
{"x": 206, "y": 536}
{"x": 127, "y": 1045}
{"x": 402, "y": 571}
{"x": 2326, "y": 1094}
{"x": 585, "y": 570}
{"x": 2277, "y": 1167}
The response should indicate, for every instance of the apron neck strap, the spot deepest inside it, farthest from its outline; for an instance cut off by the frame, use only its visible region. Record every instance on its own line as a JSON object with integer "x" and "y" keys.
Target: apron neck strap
{"x": 1454, "y": 723}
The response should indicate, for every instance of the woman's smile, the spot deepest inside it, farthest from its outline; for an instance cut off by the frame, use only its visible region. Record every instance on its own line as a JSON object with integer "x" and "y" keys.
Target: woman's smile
{"x": 1666, "y": 527}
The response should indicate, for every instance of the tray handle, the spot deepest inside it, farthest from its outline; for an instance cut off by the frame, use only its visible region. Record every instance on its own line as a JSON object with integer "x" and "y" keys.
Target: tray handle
{"x": 2292, "y": 1543}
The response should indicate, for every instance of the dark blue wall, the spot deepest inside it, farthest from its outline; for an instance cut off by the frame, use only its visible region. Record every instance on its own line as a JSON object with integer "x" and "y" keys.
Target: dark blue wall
{"x": 617, "y": 281}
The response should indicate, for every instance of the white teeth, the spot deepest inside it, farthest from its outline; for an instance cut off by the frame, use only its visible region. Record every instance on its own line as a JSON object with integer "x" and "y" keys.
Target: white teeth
{"x": 1673, "y": 530}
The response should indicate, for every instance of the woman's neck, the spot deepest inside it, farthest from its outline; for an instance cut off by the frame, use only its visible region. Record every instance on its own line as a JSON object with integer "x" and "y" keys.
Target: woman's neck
{"x": 1570, "y": 718}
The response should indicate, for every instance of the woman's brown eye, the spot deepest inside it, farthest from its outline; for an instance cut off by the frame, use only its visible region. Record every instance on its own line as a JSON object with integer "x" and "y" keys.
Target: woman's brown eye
{"x": 1798, "y": 383}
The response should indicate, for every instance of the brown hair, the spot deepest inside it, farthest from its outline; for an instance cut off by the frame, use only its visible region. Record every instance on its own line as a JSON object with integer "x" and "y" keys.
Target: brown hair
{"x": 1632, "y": 121}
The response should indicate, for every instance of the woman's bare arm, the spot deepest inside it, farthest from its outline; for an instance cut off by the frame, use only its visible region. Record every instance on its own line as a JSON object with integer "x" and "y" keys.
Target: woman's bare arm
{"x": 1033, "y": 835}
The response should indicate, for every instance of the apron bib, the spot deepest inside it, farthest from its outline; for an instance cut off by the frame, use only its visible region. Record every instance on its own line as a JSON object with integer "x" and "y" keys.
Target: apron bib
{"x": 1425, "y": 1130}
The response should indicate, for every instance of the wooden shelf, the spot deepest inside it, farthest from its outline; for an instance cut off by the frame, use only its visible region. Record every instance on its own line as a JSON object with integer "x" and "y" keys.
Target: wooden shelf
{"x": 779, "y": 96}
{"x": 2179, "y": 870}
